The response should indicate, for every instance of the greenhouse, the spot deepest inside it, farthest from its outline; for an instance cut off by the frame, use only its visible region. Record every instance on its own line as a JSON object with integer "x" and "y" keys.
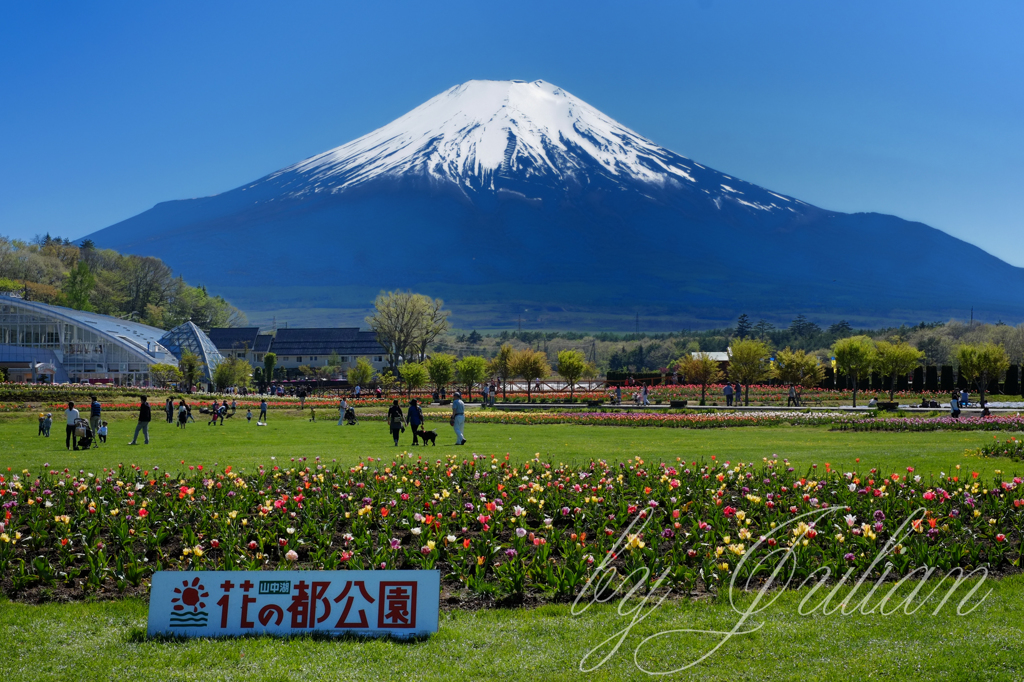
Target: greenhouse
{"x": 40, "y": 342}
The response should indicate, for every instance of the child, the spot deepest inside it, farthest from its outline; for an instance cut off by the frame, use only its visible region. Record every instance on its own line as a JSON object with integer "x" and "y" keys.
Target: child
{"x": 42, "y": 418}
{"x": 248, "y": 415}
{"x": 312, "y": 413}
{"x": 102, "y": 432}
{"x": 47, "y": 423}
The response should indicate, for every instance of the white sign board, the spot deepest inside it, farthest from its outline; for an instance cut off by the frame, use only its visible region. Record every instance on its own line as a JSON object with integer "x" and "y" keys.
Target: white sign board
{"x": 227, "y": 603}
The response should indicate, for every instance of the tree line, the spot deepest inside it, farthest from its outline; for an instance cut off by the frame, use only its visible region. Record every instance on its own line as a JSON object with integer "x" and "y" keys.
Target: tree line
{"x": 56, "y": 271}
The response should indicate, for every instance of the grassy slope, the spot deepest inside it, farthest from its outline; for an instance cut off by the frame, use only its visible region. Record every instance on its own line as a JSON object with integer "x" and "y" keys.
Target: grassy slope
{"x": 103, "y": 641}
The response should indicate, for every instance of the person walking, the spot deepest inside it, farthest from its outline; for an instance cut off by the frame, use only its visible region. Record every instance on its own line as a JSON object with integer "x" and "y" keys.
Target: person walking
{"x": 618, "y": 394}
{"x": 954, "y": 405}
{"x": 182, "y": 414}
{"x": 645, "y": 395}
{"x": 458, "y": 421}
{"x": 486, "y": 392}
{"x": 414, "y": 417}
{"x": 145, "y": 415}
{"x": 356, "y": 391}
{"x": 494, "y": 392}
{"x": 342, "y": 408}
{"x": 263, "y": 412}
{"x": 47, "y": 423}
{"x": 95, "y": 409}
{"x": 737, "y": 391}
{"x": 396, "y": 422}
{"x": 169, "y": 409}
{"x": 728, "y": 394}
{"x": 965, "y": 398}
{"x": 70, "y": 415}
{"x": 791, "y": 400}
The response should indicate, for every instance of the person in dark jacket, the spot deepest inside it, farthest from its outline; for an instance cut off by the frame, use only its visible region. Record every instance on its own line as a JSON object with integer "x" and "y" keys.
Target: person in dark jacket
{"x": 396, "y": 422}
{"x": 145, "y": 415}
{"x": 415, "y": 419}
{"x": 95, "y": 412}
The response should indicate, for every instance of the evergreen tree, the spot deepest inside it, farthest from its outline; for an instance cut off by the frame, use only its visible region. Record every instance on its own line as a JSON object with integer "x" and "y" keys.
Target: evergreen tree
{"x": 743, "y": 327}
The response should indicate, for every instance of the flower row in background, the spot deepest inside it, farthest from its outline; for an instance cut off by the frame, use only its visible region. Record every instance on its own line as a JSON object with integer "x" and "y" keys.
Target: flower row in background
{"x": 1012, "y": 422}
{"x": 491, "y": 526}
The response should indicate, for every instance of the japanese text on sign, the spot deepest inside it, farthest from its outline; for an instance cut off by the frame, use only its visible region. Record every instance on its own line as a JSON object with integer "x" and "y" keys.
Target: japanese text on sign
{"x": 220, "y": 603}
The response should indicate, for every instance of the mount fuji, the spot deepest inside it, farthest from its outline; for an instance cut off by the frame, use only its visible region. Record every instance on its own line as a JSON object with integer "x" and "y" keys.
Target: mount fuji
{"x": 515, "y": 200}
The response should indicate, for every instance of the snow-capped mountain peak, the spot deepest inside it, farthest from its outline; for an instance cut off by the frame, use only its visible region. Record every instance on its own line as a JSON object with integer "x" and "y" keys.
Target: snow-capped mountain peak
{"x": 483, "y": 134}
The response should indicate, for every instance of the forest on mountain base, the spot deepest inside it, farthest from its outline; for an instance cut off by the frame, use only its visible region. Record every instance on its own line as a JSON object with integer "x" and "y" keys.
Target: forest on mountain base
{"x": 56, "y": 271}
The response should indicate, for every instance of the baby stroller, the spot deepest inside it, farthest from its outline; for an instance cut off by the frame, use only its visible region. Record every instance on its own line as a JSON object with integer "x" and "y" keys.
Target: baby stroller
{"x": 84, "y": 434}
{"x": 350, "y": 416}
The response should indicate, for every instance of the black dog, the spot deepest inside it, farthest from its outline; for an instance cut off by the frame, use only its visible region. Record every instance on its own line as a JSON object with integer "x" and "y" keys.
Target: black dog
{"x": 428, "y": 435}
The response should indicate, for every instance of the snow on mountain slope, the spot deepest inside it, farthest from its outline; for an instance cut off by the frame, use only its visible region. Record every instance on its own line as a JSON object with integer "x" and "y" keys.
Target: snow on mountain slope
{"x": 482, "y": 133}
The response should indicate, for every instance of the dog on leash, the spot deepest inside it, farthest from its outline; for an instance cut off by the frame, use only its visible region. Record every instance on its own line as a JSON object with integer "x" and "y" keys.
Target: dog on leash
{"x": 428, "y": 436}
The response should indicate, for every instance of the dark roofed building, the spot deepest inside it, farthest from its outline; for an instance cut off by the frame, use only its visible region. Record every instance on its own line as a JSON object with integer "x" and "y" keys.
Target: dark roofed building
{"x": 233, "y": 340}
{"x": 295, "y": 347}
{"x": 313, "y": 346}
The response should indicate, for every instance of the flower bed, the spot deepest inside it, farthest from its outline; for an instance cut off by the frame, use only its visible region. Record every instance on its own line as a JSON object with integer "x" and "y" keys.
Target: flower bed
{"x": 1014, "y": 422}
{"x": 1012, "y": 448}
{"x": 690, "y": 420}
{"x": 765, "y": 393}
{"x": 494, "y": 527}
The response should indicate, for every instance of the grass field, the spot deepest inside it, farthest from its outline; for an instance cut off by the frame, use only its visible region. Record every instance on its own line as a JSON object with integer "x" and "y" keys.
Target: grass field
{"x": 288, "y": 435}
{"x": 89, "y": 641}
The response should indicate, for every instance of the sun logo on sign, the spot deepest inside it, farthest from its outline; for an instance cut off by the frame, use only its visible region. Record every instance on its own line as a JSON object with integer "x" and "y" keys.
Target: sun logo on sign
{"x": 191, "y": 596}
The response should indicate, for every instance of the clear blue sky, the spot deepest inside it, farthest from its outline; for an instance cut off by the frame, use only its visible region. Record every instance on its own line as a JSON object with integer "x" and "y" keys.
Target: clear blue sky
{"x": 912, "y": 108}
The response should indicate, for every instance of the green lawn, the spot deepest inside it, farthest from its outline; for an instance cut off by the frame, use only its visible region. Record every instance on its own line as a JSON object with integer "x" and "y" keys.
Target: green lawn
{"x": 94, "y": 641}
{"x": 288, "y": 435}
{"x": 107, "y": 641}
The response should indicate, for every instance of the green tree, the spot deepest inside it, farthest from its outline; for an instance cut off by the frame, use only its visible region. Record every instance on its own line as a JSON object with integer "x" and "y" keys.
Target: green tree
{"x": 530, "y": 365}
{"x": 895, "y": 359}
{"x": 78, "y": 285}
{"x": 763, "y": 328}
{"x": 415, "y": 376}
{"x": 743, "y": 327}
{"x": 191, "y": 366}
{"x": 748, "y": 363}
{"x": 163, "y": 374}
{"x": 699, "y": 368}
{"x": 319, "y": 375}
{"x": 981, "y": 363}
{"x": 798, "y": 368}
{"x": 387, "y": 382}
{"x": 361, "y": 374}
{"x": 406, "y": 322}
{"x": 232, "y": 372}
{"x": 501, "y": 366}
{"x": 855, "y": 356}
{"x": 269, "y": 362}
{"x": 470, "y": 370}
{"x": 441, "y": 368}
{"x": 571, "y": 366}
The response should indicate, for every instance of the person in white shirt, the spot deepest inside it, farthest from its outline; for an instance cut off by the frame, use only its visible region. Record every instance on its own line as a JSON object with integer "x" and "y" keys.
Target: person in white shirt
{"x": 342, "y": 408}
{"x": 71, "y": 414}
{"x": 458, "y": 418}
